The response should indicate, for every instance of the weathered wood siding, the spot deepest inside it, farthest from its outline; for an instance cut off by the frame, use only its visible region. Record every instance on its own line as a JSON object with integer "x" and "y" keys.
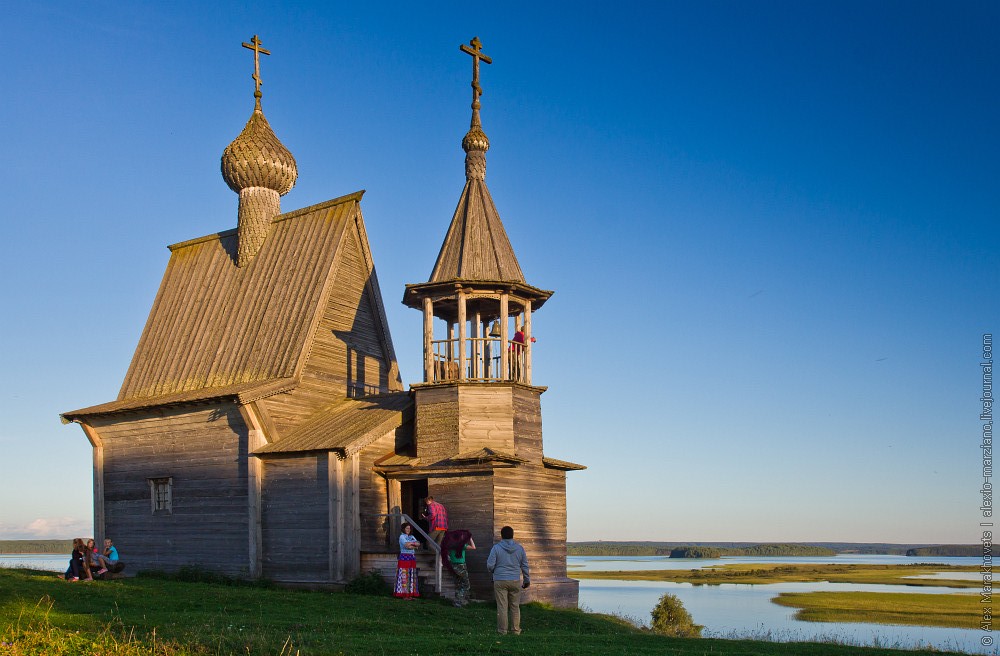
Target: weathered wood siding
{"x": 347, "y": 356}
{"x": 532, "y": 500}
{"x": 527, "y": 424}
{"x": 295, "y": 518}
{"x": 469, "y": 501}
{"x": 376, "y": 532}
{"x": 204, "y": 450}
{"x": 436, "y": 423}
{"x": 486, "y": 418}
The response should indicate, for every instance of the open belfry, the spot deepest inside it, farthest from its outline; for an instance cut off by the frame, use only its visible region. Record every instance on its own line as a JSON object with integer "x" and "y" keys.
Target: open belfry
{"x": 262, "y": 429}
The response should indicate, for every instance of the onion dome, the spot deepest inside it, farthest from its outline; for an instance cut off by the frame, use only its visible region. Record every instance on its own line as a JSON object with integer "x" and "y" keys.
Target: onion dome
{"x": 257, "y": 158}
{"x": 258, "y": 167}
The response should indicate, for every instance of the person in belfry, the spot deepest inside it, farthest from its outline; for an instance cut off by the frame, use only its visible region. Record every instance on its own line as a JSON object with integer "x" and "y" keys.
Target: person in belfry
{"x": 437, "y": 519}
{"x": 508, "y": 563}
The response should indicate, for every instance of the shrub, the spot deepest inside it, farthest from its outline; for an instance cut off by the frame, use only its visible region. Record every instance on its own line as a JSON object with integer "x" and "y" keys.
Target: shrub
{"x": 670, "y": 618}
{"x": 369, "y": 583}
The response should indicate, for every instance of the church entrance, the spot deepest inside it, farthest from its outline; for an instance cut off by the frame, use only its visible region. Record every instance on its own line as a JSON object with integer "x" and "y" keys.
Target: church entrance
{"x": 412, "y": 494}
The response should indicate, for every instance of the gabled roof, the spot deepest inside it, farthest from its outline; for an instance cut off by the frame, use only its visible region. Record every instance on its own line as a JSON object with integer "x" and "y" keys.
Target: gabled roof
{"x": 485, "y": 454}
{"x": 476, "y": 246}
{"x": 218, "y": 330}
{"x": 346, "y": 425}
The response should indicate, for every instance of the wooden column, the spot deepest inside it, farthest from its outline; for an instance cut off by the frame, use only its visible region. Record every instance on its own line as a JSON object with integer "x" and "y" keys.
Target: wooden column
{"x": 461, "y": 335}
{"x": 255, "y": 476}
{"x": 352, "y": 516}
{"x": 335, "y": 509}
{"x": 477, "y": 351}
{"x": 394, "y": 497}
{"x": 527, "y": 341}
{"x": 256, "y": 438}
{"x": 98, "y": 454}
{"x": 428, "y": 340}
{"x": 504, "y": 346}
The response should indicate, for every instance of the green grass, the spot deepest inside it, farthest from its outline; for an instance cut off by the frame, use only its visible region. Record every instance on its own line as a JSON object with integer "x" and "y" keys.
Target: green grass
{"x": 40, "y": 614}
{"x": 960, "y": 611}
{"x": 779, "y": 573}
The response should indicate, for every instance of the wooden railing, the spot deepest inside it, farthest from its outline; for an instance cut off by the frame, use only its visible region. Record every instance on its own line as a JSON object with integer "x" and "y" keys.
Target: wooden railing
{"x": 483, "y": 361}
{"x": 392, "y": 542}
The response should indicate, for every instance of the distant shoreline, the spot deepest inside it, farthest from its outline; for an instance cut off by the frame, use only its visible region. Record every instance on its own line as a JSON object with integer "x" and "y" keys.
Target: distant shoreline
{"x": 35, "y": 546}
{"x": 799, "y": 549}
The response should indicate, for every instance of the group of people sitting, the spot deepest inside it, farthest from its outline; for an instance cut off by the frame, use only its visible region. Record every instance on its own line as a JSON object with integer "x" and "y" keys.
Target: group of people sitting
{"x": 86, "y": 563}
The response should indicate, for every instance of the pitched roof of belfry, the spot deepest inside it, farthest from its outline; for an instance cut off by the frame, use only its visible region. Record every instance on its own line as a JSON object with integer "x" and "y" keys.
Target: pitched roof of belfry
{"x": 347, "y": 425}
{"x": 217, "y": 329}
{"x": 476, "y": 246}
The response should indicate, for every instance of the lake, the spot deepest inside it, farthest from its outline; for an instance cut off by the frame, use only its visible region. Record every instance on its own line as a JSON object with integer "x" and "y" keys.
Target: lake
{"x": 742, "y": 610}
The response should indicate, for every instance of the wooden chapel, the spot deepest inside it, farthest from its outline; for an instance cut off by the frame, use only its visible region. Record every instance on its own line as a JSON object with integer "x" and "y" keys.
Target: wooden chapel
{"x": 262, "y": 428}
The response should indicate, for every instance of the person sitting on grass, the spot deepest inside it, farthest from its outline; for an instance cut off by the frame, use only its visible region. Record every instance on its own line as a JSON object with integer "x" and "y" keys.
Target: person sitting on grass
{"x": 109, "y": 560}
{"x": 78, "y": 562}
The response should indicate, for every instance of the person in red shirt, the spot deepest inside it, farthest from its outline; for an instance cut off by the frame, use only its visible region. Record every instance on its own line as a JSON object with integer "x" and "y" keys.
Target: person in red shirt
{"x": 437, "y": 519}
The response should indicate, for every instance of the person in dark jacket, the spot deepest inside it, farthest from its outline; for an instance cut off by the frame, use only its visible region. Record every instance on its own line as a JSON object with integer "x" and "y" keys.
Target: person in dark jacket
{"x": 508, "y": 563}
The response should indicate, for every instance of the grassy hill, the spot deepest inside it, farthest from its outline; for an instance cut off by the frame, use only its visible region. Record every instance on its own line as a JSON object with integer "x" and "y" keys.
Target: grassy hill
{"x": 40, "y": 614}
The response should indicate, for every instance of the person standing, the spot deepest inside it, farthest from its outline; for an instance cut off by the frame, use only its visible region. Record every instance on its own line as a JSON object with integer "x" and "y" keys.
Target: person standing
{"x": 454, "y": 545}
{"x": 508, "y": 563}
{"x": 406, "y": 566}
{"x": 437, "y": 519}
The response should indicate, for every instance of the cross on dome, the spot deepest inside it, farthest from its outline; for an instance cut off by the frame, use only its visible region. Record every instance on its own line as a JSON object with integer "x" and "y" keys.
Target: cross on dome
{"x": 476, "y": 52}
{"x": 257, "y": 50}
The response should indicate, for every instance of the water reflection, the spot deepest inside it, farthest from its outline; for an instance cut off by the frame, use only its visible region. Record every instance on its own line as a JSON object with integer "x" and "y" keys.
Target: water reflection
{"x": 743, "y": 610}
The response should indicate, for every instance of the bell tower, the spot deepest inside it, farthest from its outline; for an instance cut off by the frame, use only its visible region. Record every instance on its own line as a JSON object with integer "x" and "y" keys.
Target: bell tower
{"x": 478, "y": 421}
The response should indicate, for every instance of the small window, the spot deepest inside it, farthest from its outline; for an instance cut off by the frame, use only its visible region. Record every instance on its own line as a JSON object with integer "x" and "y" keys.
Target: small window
{"x": 160, "y": 492}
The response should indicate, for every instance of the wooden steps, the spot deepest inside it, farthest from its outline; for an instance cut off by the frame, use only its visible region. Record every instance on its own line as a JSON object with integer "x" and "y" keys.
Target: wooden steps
{"x": 385, "y": 564}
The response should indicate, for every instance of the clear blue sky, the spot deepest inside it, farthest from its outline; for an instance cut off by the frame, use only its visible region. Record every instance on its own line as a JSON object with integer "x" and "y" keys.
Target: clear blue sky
{"x": 770, "y": 227}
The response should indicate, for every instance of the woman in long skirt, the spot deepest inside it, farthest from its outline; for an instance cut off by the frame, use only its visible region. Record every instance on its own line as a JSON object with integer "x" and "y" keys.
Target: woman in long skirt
{"x": 406, "y": 567}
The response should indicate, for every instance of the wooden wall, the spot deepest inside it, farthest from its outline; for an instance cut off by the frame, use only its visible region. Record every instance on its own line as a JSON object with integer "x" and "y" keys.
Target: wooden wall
{"x": 346, "y": 349}
{"x": 436, "y": 425}
{"x": 527, "y": 424}
{"x": 486, "y": 418}
{"x": 204, "y": 450}
{"x": 532, "y": 500}
{"x": 469, "y": 501}
{"x": 295, "y": 525}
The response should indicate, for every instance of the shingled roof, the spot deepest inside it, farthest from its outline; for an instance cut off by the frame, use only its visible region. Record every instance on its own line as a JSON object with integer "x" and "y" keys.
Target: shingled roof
{"x": 476, "y": 246}
{"x": 219, "y": 330}
{"x": 347, "y": 425}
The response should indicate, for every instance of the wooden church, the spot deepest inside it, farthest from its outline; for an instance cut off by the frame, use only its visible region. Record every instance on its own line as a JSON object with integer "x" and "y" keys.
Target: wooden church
{"x": 262, "y": 429}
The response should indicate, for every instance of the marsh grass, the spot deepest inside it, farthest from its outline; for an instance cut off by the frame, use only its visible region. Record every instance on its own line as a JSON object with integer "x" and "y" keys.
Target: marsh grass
{"x": 782, "y": 573}
{"x": 959, "y": 611}
{"x": 40, "y": 614}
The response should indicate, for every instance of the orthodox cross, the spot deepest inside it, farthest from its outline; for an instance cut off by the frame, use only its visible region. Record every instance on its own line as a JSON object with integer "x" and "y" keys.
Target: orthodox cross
{"x": 477, "y": 54}
{"x": 255, "y": 46}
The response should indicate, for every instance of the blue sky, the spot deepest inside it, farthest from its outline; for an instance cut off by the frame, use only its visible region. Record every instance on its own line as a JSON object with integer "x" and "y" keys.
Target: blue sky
{"x": 770, "y": 227}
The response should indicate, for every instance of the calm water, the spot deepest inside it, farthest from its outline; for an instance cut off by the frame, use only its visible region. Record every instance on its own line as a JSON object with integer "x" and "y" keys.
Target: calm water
{"x": 732, "y": 610}
{"x": 46, "y": 562}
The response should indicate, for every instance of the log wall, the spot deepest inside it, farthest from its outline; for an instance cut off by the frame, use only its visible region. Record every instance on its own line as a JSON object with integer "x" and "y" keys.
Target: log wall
{"x": 295, "y": 525}
{"x": 469, "y": 501}
{"x": 204, "y": 450}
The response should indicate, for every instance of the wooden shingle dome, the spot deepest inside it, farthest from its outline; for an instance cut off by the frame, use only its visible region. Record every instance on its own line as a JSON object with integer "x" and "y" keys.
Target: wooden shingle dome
{"x": 258, "y": 167}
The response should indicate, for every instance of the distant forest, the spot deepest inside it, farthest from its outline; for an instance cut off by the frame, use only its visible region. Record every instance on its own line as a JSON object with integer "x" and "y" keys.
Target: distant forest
{"x": 36, "y": 546}
{"x": 719, "y": 549}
